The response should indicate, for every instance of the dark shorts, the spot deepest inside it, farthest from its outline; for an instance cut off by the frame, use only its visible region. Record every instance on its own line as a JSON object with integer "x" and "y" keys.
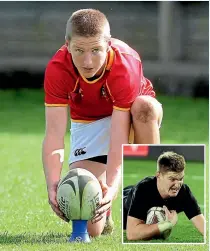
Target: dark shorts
{"x": 100, "y": 159}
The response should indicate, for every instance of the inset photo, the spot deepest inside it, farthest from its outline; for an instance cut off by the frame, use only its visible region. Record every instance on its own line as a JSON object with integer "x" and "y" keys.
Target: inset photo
{"x": 164, "y": 194}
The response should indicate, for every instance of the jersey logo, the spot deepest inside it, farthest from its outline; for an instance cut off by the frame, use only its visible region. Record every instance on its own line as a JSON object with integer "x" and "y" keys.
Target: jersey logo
{"x": 80, "y": 151}
{"x": 81, "y": 92}
{"x": 104, "y": 93}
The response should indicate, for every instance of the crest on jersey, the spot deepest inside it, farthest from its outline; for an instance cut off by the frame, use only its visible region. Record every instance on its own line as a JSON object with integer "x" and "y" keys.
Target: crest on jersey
{"x": 81, "y": 92}
{"x": 104, "y": 93}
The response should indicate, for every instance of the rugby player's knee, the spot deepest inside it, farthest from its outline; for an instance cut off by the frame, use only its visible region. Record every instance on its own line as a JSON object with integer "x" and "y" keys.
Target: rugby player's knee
{"x": 145, "y": 109}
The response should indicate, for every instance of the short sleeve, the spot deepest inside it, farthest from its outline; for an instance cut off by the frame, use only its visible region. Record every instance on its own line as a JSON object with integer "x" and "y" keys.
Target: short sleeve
{"x": 190, "y": 207}
{"x": 56, "y": 92}
{"x": 147, "y": 87}
{"x": 123, "y": 88}
{"x": 126, "y": 82}
{"x": 146, "y": 84}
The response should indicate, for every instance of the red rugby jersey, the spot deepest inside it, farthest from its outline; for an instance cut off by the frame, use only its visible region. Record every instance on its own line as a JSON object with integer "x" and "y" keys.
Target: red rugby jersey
{"x": 120, "y": 83}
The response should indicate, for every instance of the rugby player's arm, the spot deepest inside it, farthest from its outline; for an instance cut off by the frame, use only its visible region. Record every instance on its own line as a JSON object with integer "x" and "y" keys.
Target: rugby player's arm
{"x": 199, "y": 222}
{"x": 120, "y": 128}
{"x": 138, "y": 230}
{"x": 56, "y": 123}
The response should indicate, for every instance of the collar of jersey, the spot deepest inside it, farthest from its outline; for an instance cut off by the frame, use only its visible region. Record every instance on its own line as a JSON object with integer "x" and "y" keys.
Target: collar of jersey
{"x": 109, "y": 62}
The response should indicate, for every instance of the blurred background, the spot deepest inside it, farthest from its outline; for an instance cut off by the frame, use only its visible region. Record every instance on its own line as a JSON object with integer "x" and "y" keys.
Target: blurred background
{"x": 190, "y": 152}
{"x": 172, "y": 39}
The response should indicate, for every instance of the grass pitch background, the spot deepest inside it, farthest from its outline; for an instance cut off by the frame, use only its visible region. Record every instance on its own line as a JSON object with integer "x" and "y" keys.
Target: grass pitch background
{"x": 26, "y": 220}
{"x": 184, "y": 231}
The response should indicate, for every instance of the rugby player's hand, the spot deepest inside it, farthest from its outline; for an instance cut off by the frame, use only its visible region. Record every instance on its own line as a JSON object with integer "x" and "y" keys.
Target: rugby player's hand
{"x": 105, "y": 204}
{"x": 171, "y": 215}
{"x": 52, "y": 192}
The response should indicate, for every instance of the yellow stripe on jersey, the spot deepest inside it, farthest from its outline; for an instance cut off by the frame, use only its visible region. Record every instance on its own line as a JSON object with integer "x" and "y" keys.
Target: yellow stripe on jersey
{"x": 96, "y": 80}
{"x": 121, "y": 109}
{"x": 75, "y": 87}
{"x": 111, "y": 60}
{"x": 109, "y": 91}
{"x": 82, "y": 121}
{"x": 55, "y": 105}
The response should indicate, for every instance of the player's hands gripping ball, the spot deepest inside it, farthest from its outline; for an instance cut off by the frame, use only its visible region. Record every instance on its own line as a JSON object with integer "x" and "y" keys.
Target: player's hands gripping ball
{"x": 171, "y": 215}
{"x": 52, "y": 192}
{"x": 108, "y": 196}
{"x": 165, "y": 227}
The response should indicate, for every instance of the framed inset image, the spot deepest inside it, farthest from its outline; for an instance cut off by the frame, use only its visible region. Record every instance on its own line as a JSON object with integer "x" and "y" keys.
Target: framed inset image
{"x": 164, "y": 189}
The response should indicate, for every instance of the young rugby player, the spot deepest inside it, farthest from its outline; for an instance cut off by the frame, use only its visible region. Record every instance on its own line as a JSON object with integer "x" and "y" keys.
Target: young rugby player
{"x": 101, "y": 79}
{"x": 167, "y": 190}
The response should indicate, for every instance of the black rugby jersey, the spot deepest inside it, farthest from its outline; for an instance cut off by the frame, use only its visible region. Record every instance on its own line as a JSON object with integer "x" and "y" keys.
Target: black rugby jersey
{"x": 138, "y": 199}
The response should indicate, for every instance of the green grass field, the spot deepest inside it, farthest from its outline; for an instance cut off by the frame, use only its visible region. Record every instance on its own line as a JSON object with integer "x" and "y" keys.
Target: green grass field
{"x": 184, "y": 231}
{"x": 26, "y": 220}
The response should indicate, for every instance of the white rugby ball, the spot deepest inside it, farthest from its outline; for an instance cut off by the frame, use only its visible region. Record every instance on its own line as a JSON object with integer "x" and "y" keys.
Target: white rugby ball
{"x": 79, "y": 194}
{"x": 156, "y": 215}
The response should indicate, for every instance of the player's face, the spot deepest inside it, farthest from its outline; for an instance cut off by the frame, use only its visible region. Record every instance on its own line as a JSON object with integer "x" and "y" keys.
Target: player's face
{"x": 170, "y": 183}
{"x": 89, "y": 54}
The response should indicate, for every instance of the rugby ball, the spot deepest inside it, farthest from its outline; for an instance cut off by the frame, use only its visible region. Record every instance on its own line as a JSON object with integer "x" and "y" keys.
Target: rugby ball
{"x": 156, "y": 215}
{"x": 79, "y": 194}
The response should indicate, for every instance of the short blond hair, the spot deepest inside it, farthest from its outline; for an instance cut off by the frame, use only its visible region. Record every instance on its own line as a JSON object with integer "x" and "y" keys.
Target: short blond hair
{"x": 87, "y": 23}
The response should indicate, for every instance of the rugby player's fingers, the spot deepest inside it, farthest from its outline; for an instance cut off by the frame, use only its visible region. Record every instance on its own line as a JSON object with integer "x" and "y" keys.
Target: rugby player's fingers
{"x": 173, "y": 213}
{"x": 166, "y": 212}
{"x": 174, "y": 217}
{"x": 54, "y": 205}
{"x": 105, "y": 201}
{"x": 99, "y": 216}
{"x": 100, "y": 212}
{"x": 52, "y": 192}
{"x": 53, "y": 202}
{"x": 58, "y": 213}
{"x": 103, "y": 208}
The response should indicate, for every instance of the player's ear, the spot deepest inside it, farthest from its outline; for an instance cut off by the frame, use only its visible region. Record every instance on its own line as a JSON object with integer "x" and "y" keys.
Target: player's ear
{"x": 157, "y": 174}
{"x": 67, "y": 43}
{"x": 109, "y": 44}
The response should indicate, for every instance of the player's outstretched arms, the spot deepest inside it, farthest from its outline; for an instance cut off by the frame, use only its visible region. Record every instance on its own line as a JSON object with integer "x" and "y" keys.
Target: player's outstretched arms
{"x": 53, "y": 151}
{"x": 138, "y": 230}
{"x": 199, "y": 222}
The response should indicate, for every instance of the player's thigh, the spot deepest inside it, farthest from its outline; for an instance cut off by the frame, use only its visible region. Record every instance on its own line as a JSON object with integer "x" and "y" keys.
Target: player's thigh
{"x": 99, "y": 170}
{"x": 96, "y": 168}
